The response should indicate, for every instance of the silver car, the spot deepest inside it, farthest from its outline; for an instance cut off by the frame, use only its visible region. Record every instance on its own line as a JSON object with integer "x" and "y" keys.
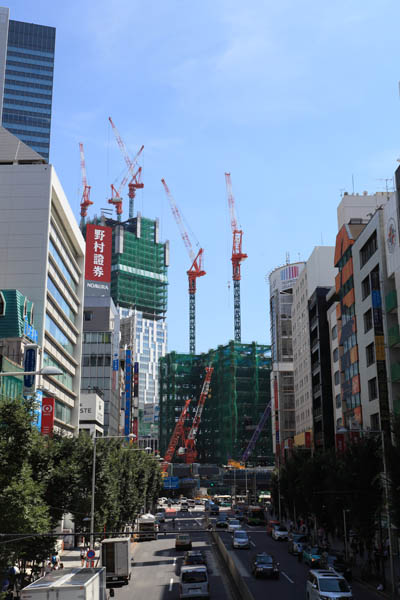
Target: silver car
{"x": 240, "y": 539}
{"x": 324, "y": 584}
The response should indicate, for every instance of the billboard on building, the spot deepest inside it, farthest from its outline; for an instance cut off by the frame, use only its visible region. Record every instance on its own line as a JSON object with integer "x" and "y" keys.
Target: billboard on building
{"x": 391, "y": 229}
{"x": 98, "y": 260}
{"x": 47, "y": 416}
{"x": 30, "y": 362}
{"x": 91, "y": 409}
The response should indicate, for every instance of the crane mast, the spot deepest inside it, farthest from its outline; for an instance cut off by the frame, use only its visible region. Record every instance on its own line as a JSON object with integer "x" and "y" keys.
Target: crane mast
{"x": 196, "y": 269}
{"x": 190, "y": 442}
{"x": 237, "y": 258}
{"x": 177, "y": 433}
{"x": 86, "y": 202}
{"x": 136, "y": 182}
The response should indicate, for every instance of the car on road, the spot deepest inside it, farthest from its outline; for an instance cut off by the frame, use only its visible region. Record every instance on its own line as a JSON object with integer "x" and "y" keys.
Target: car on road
{"x": 239, "y": 514}
{"x": 183, "y": 542}
{"x": 271, "y": 524}
{"x": 312, "y": 555}
{"x": 194, "y": 582}
{"x": 323, "y": 584}
{"x": 234, "y": 524}
{"x": 194, "y": 557}
{"x": 214, "y": 509}
{"x": 264, "y": 565}
{"x": 160, "y": 517}
{"x": 280, "y": 533}
{"x": 296, "y": 543}
{"x": 337, "y": 562}
{"x": 240, "y": 539}
{"x": 222, "y": 522}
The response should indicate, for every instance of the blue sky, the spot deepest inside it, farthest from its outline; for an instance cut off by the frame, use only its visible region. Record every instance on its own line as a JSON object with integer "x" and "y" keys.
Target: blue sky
{"x": 293, "y": 98}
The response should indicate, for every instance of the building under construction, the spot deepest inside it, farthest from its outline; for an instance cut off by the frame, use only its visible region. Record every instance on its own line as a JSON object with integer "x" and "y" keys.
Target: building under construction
{"x": 139, "y": 266}
{"x": 239, "y": 393}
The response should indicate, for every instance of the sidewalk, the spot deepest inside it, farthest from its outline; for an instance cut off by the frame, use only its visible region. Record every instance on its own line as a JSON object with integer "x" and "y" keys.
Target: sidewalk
{"x": 72, "y": 558}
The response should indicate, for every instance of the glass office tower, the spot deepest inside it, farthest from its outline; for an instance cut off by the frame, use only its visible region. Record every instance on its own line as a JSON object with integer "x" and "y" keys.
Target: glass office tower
{"x": 26, "y": 86}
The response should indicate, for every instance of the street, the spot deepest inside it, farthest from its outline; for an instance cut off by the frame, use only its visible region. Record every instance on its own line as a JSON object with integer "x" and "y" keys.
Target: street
{"x": 156, "y": 564}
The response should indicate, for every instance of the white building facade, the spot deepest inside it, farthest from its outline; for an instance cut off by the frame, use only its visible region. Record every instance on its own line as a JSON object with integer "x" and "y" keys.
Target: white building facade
{"x": 42, "y": 255}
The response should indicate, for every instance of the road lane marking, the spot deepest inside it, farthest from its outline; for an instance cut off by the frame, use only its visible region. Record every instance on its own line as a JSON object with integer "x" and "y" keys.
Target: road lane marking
{"x": 175, "y": 561}
{"x": 287, "y": 577}
{"x": 171, "y": 583}
{"x": 252, "y": 543}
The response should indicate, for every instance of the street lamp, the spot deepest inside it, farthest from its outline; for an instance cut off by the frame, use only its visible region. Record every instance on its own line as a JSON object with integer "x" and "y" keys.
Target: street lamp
{"x": 43, "y": 371}
{"x": 130, "y": 437}
{"x": 386, "y": 488}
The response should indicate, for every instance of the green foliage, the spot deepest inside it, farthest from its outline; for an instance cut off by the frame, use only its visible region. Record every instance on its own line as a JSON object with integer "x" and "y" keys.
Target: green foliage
{"x": 42, "y": 478}
{"x": 325, "y": 484}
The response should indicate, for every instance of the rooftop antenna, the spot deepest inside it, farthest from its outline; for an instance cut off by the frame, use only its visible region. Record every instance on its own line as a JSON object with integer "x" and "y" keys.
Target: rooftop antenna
{"x": 287, "y": 258}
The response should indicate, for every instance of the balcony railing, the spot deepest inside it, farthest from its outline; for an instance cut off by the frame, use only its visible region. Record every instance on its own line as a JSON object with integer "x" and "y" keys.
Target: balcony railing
{"x": 391, "y": 301}
{"x": 395, "y": 372}
{"x": 394, "y": 335}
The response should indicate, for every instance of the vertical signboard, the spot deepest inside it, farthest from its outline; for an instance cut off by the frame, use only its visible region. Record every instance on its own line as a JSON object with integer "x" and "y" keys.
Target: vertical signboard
{"x": 98, "y": 260}
{"x": 47, "y": 416}
{"x": 30, "y": 362}
{"x": 135, "y": 427}
{"x": 136, "y": 380}
{"x": 128, "y": 391}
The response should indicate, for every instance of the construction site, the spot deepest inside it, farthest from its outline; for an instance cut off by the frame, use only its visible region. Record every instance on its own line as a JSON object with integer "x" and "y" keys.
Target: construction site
{"x": 237, "y": 399}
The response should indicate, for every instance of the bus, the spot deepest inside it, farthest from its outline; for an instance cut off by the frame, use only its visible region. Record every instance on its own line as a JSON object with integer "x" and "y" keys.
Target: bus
{"x": 223, "y": 499}
{"x": 264, "y": 498}
{"x": 256, "y": 515}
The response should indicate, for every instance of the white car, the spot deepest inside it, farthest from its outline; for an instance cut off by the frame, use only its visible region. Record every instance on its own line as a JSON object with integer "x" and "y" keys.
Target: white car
{"x": 234, "y": 524}
{"x": 240, "y": 539}
{"x": 280, "y": 533}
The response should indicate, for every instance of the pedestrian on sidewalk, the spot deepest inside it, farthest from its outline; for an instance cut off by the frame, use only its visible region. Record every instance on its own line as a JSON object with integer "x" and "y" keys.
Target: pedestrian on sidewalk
{"x": 82, "y": 557}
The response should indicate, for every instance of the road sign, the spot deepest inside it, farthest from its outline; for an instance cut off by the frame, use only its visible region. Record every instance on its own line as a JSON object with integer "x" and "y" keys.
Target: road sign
{"x": 91, "y": 554}
{"x": 171, "y": 483}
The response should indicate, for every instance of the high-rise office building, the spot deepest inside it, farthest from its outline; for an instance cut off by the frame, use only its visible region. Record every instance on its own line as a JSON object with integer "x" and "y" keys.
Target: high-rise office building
{"x": 42, "y": 254}
{"x": 26, "y": 80}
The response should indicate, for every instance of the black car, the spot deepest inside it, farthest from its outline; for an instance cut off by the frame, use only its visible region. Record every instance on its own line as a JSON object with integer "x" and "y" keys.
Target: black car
{"x": 264, "y": 565}
{"x": 338, "y": 562}
{"x": 194, "y": 557}
{"x": 296, "y": 543}
{"x": 222, "y": 522}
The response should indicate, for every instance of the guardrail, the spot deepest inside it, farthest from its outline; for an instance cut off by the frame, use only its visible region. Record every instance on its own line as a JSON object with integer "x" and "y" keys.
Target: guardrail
{"x": 241, "y": 585}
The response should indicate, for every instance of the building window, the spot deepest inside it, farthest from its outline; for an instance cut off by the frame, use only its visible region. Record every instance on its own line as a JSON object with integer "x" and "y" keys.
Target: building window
{"x": 367, "y": 320}
{"x": 370, "y": 353}
{"x": 369, "y": 248}
{"x": 2, "y": 305}
{"x": 365, "y": 288}
{"x": 334, "y": 332}
{"x": 88, "y": 315}
{"x": 338, "y": 401}
{"x": 337, "y": 378}
{"x": 336, "y": 355}
{"x": 375, "y": 425}
{"x": 372, "y": 389}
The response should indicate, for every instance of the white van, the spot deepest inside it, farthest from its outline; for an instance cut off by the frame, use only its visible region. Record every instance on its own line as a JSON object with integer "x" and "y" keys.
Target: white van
{"x": 194, "y": 582}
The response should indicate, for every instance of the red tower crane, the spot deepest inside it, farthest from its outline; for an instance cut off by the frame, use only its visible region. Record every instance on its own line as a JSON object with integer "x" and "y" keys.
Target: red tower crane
{"x": 135, "y": 182}
{"x": 190, "y": 441}
{"x": 195, "y": 271}
{"x": 86, "y": 202}
{"x": 178, "y": 432}
{"x": 237, "y": 258}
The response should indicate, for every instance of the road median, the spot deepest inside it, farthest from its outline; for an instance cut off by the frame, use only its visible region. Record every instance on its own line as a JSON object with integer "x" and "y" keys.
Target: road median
{"x": 240, "y": 584}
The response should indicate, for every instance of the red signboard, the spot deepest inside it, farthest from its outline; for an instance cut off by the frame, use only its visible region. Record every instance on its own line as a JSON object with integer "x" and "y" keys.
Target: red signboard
{"x": 340, "y": 442}
{"x": 98, "y": 253}
{"x": 135, "y": 428}
{"x": 47, "y": 416}
{"x": 307, "y": 439}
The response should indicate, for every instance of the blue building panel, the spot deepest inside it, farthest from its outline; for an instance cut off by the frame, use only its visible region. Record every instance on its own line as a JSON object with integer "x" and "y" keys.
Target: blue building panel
{"x": 28, "y": 84}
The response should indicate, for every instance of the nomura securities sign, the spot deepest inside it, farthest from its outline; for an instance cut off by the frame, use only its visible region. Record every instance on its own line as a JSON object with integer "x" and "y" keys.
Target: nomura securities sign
{"x": 98, "y": 260}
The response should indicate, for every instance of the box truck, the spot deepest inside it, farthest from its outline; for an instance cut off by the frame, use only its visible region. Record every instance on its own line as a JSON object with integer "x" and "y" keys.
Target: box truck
{"x": 115, "y": 556}
{"x": 69, "y": 584}
{"x": 146, "y": 527}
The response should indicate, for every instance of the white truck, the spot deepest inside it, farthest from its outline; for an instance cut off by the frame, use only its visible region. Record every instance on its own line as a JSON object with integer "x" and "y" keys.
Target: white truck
{"x": 69, "y": 584}
{"x": 146, "y": 527}
{"x": 115, "y": 556}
